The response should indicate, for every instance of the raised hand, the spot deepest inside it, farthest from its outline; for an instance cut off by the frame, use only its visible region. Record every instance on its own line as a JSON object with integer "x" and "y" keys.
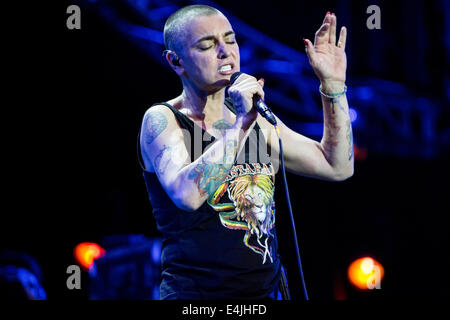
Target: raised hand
{"x": 327, "y": 58}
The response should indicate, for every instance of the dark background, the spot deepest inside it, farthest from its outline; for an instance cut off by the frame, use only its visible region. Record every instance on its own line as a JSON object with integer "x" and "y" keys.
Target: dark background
{"x": 74, "y": 101}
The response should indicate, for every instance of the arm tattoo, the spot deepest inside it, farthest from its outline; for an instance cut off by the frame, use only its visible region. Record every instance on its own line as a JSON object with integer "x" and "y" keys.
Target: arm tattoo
{"x": 162, "y": 159}
{"x": 156, "y": 123}
{"x": 222, "y": 125}
{"x": 230, "y": 153}
{"x": 209, "y": 176}
{"x": 350, "y": 139}
{"x": 332, "y": 131}
{"x": 336, "y": 100}
{"x": 348, "y": 125}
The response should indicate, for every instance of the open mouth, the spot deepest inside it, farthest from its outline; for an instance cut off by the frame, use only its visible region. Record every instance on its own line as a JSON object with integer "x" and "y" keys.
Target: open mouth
{"x": 226, "y": 69}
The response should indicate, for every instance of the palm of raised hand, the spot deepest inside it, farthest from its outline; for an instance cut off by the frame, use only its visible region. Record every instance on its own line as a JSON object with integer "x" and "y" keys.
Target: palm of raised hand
{"x": 327, "y": 59}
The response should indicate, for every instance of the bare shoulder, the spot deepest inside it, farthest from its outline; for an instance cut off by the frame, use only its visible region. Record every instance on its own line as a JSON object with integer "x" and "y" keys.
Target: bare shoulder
{"x": 157, "y": 113}
{"x": 162, "y": 141}
{"x": 157, "y": 119}
{"x": 157, "y": 122}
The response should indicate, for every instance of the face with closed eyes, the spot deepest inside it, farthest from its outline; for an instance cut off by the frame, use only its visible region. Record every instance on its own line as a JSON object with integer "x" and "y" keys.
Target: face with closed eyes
{"x": 211, "y": 54}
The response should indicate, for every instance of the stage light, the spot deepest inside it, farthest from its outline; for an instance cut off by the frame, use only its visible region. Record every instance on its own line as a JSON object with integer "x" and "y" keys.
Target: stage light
{"x": 364, "y": 93}
{"x": 366, "y": 273}
{"x": 86, "y": 252}
{"x": 360, "y": 153}
{"x": 353, "y": 114}
{"x": 280, "y": 66}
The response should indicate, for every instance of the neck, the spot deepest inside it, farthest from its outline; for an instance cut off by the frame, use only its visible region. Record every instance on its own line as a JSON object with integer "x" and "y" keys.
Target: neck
{"x": 203, "y": 105}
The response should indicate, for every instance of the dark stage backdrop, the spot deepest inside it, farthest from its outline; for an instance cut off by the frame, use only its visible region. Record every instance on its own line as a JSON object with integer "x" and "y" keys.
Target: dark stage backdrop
{"x": 73, "y": 104}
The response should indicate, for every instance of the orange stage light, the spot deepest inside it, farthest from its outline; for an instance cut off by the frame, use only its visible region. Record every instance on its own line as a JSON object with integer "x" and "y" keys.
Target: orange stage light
{"x": 86, "y": 252}
{"x": 360, "y": 153}
{"x": 365, "y": 273}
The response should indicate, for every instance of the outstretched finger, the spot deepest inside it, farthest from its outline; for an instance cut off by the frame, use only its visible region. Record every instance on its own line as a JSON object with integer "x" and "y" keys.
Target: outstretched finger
{"x": 327, "y": 17}
{"x": 322, "y": 35}
{"x": 342, "y": 38}
{"x": 333, "y": 24}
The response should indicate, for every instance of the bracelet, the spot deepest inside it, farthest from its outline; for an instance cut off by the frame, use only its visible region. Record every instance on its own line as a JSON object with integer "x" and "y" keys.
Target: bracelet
{"x": 332, "y": 95}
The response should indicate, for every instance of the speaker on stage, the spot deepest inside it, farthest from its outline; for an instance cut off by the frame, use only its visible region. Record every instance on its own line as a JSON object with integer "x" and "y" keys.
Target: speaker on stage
{"x": 130, "y": 269}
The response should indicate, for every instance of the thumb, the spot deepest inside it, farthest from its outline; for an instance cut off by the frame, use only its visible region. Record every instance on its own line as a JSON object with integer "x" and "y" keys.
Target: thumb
{"x": 309, "y": 49}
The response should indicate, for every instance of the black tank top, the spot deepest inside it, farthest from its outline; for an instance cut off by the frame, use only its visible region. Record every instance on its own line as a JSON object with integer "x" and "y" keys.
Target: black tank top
{"x": 227, "y": 249}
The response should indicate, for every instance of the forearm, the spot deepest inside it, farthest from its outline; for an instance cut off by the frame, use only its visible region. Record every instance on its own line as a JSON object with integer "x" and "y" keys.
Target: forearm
{"x": 201, "y": 178}
{"x": 337, "y": 141}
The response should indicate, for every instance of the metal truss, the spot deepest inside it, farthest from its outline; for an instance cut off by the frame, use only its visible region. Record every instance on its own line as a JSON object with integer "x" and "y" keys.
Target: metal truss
{"x": 388, "y": 118}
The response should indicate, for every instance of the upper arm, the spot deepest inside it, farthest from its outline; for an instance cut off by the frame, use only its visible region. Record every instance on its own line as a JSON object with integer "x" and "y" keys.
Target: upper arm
{"x": 163, "y": 146}
{"x": 302, "y": 155}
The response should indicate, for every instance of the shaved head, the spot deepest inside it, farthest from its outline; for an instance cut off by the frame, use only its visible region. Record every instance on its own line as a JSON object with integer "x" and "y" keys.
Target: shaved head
{"x": 175, "y": 27}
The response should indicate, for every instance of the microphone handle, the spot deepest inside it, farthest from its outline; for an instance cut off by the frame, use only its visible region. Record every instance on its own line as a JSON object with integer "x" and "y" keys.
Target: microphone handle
{"x": 264, "y": 110}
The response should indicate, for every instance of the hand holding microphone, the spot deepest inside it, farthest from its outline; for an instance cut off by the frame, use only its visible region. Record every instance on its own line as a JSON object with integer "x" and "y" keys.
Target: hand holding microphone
{"x": 246, "y": 92}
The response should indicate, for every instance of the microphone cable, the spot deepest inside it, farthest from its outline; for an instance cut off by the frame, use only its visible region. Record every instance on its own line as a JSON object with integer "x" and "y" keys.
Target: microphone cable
{"x": 299, "y": 261}
{"x": 265, "y": 111}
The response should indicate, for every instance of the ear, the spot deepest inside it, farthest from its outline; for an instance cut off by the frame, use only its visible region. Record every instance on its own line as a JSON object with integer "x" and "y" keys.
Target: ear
{"x": 174, "y": 61}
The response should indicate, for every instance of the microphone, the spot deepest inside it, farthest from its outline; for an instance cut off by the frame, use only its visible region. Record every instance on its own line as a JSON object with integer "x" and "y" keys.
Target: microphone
{"x": 259, "y": 104}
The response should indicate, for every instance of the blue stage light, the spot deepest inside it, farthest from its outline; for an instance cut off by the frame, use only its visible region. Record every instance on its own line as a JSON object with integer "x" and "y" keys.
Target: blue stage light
{"x": 156, "y": 251}
{"x": 280, "y": 66}
{"x": 364, "y": 93}
{"x": 246, "y": 53}
{"x": 145, "y": 33}
{"x": 353, "y": 114}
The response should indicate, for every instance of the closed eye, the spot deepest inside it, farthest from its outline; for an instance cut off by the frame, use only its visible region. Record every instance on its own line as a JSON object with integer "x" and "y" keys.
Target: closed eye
{"x": 228, "y": 42}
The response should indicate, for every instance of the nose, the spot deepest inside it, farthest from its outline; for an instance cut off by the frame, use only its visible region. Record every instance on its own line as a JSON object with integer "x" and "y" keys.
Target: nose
{"x": 258, "y": 204}
{"x": 223, "y": 50}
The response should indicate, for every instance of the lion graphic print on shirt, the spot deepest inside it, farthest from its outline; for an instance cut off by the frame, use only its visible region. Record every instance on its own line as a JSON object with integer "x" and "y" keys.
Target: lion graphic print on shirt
{"x": 245, "y": 202}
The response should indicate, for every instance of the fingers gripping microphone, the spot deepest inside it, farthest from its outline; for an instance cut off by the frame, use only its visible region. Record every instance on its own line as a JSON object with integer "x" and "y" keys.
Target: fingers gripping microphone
{"x": 259, "y": 104}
